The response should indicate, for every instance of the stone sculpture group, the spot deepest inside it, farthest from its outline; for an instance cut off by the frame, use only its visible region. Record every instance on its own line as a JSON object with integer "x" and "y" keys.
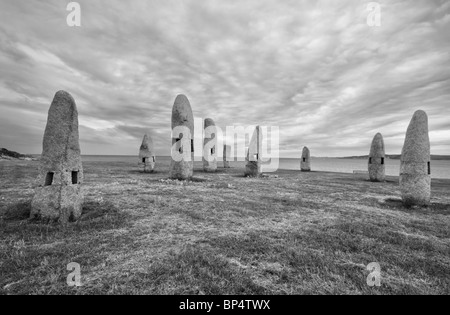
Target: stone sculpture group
{"x": 415, "y": 162}
{"x": 59, "y": 196}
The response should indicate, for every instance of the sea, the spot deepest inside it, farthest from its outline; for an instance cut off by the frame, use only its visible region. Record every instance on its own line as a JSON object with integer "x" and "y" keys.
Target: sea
{"x": 439, "y": 169}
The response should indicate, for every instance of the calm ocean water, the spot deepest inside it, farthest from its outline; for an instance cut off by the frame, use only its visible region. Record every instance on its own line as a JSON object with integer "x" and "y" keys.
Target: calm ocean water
{"x": 440, "y": 169}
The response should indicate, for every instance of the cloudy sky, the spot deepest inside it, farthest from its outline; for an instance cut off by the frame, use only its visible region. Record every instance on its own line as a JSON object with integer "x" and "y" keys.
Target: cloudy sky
{"x": 314, "y": 68}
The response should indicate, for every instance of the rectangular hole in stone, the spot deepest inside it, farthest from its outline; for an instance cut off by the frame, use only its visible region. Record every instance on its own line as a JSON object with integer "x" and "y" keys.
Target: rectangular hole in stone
{"x": 304, "y": 159}
{"x": 370, "y": 160}
{"x": 180, "y": 149}
{"x": 143, "y": 160}
{"x": 212, "y": 151}
{"x": 382, "y": 161}
{"x": 429, "y": 168}
{"x": 49, "y": 179}
{"x": 192, "y": 145}
{"x": 74, "y": 177}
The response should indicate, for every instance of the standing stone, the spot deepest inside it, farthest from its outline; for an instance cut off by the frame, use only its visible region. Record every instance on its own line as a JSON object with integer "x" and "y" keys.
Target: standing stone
{"x": 226, "y": 156}
{"x": 58, "y": 195}
{"x": 415, "y": 165}
{"x": 182, "y": 116}
{"x": 305, "y": 164}
{"x": 209, "y": 146}
{"x": 253, "y": 166}
{"x": 147, "y": 156}
{"x": 377, "y": 157}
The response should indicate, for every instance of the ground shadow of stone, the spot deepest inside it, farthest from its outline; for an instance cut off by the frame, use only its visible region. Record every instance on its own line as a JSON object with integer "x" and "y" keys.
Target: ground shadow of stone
{"x": 139, "y": 172}
{"x": 18, "y": 212}
{"x": 387, "y": 181}
{"x": 193, "y": 179}
{"x": 218, "y": 171}
{"x": 101, "y": 216}
{"x": 241, "y": 175}
{"x": 434, "y": 208}
{"x": 196, "y": 179}
{"x": 92, "y": 212}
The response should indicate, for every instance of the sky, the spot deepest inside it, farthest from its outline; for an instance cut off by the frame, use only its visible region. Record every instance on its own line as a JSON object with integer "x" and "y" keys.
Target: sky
{"x": 315, "y": 69}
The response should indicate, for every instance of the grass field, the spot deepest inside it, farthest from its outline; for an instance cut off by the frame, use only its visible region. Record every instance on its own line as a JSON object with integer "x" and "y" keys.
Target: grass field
{"x": 293, "y": 233}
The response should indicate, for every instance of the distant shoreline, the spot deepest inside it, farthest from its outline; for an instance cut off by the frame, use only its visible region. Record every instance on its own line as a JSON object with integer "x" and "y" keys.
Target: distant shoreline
{"x": 11, "y": 155}
{"x": 397, "y": 157}
{"x": 286, "y": 165}
{"x": 362, "y": 157}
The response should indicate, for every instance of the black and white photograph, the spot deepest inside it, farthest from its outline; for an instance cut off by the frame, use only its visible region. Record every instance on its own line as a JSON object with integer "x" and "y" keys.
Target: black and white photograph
{"x": 224, "y": 155}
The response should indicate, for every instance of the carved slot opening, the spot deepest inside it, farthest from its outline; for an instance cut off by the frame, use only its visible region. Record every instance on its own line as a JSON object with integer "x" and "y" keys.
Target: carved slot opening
{"x": 153, "y": 159}
{"x": 49, "y": 179}
{"x": 370, "y": 160}
{"x": 143, "y": 160}
{"x": 382, "y": 161}
{"x": 74, "y": 177}
{"x": 178, "y": 143}
{"x": 212, "y": 151}
{"x": 304, "y": 159}
{"x": 192, "y": 145}
{"x": 429, "y": 168}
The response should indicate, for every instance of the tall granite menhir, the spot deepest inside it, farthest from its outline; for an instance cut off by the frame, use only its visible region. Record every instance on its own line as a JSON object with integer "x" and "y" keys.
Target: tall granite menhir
{"x": 305, "y": 164}
{"x": 209, "y": 146}
{"x": 377, "y": 157}
{"x": 415, "y": 164}
{"x": 253, "y": 167}
{"x": 58, "y": 195}
{"x": 226, "y": 156}
{"x": 147, "y": 157}
{"x": 183, "y": 143}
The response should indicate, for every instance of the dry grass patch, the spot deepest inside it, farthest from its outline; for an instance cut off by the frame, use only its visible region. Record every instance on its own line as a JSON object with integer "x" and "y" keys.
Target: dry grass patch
{"x": 298, "y": 233}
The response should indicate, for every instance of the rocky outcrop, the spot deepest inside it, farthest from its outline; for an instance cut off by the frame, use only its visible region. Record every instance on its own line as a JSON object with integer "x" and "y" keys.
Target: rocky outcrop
{"x": 11, "y": 155}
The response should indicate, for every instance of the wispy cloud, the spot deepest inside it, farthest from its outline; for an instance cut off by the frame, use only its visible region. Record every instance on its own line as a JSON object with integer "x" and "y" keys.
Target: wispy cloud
{"x": 314, "y": 68}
